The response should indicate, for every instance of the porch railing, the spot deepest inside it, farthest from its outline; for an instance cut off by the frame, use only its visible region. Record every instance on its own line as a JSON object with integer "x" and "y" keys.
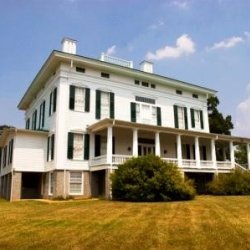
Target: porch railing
{"x": 119, "y": 159}
{"x": 224, "y": 165}
{"x": 98, "y": 160}
{"x": 170, "y": 160}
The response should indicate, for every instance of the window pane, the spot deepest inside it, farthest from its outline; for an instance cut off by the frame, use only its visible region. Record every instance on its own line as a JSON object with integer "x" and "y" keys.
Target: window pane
{"x": 78, "y": 147}
{"x": 79, "y": 99}
{"x": 181, "y": 117}
{"x": 105, "y": 105}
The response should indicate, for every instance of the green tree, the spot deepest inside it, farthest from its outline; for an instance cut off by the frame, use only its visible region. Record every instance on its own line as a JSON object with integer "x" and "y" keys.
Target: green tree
{"x": 241, "y": 154}
{"x": 217, "y": 122}
{"x": 148, "y": 178}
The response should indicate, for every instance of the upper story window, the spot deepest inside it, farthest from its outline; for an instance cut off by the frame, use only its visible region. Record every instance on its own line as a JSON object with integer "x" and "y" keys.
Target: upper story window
{"x": 27, "y": 125}
{"x": 78, "y": 146}
{"x": 152, "y": 86}
{"x": 145, "y": 113}
{"x": 180, "y": 117}
{"x": 80, "y": 69}
{"x": 137, "y": 82}
{"x": 178, "y": 92}
{"x": 144, "y": 99}
{"x": 79, "y": 99}
{"x": 52, "y": 101}
{"x": 195, "y": 96}
{"x": 105, "y": 75}
{"x": 50, "y": 147}
{"x": 197, "y": 119}
{"x": 145, "y": 84}
{"x": 34, "y": 118}
{"x": 5, "y": 156}
{"x": 105, "y": 104}
{"x": 10, "y": 156}
{"x": 42, "y": 115}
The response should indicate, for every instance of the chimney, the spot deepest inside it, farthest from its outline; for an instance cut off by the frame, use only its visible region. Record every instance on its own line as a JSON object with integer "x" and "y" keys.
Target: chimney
{"x": 68, "y": 45}
{"x": 146, "y": 66}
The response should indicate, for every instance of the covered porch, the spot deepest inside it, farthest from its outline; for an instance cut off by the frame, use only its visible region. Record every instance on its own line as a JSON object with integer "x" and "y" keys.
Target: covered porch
{"x": 113, "y": 141}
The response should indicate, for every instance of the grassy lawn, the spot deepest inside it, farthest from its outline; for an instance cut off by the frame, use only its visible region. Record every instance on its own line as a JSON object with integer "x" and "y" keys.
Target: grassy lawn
{"x": 205, "y": 223}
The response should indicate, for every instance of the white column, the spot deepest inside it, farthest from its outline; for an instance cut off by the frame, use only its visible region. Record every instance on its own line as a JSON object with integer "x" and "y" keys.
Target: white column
{"x": 213, "y": 153}
{"x": 179, "y": 151}
{"x": 135, "y": 142}
{"x": 248, "y": 155}
{"x": 157, "y": 144}
{"x": 231, "y": 145}
{"x": 109, "y": 144}
{"x": 91, "y": 146}
{"x": 197, "y": 152}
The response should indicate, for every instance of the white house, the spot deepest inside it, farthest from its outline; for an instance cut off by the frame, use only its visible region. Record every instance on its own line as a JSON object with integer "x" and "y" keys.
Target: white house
{"x": 85, "y": 116}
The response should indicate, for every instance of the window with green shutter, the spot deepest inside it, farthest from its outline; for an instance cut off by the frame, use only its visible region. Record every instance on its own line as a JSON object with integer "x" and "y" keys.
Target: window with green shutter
{"x": 186, "y": 118}
{"x": 98, "y": 105}
{"x": 133, "y": 111}
{"x": 86, "y": 146}
{"x": 71, "y": 97}
{"x": 70, "y": 145}
{"x": 52, "y": 147}
{"x": 201, "y": 119}
{"x": 48, "y": 148}
{"x": 192, "y": 118}
{"x": 54, "y": 99}
{"x": 87, "y": 99}
{"x": 112, "y": 105}
{"x": 158, "y": 116}
{"x": 176, "y": 122}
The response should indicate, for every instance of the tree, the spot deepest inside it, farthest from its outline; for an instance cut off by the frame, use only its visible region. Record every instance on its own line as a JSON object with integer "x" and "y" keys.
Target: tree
{"x": 148, "y": 178}
{"x": 217, "y": 122}
{"x": 241, "y": 154}
{"x": 2, "y": 127}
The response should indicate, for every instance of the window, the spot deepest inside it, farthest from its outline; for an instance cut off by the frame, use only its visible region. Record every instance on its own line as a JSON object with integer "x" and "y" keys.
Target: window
{"x": 144, "y": 84}
{"x": 195, "y": 96}
{"x": 52, "y": 101}
{"x": 51, "y": 183}
{"x": 180, "y": 117}
{"x": 78, "y": 146}
{"x": 10, "y": 156}
{"x": 42, "y": 115}
{"x": 145, "y": 113}
{"x": 79, "y": 99}
{"x": 178, "y": 92}
{"x": 137, "y": 82}
{"x": 105, "y": 75}
{"x": 34, "y": 116}
{"x": 27, "y": 126}
{"x": 152, "y": 86}
{"x": 50, "y": 147}
{"x": 105, "y": 104}
{"x": 144, "y": 99}
{"x": 75, "y": 183}
{"x": 196, "y": 118}
{"x": 79, "y": 69}
{"x": 5, "y": 156}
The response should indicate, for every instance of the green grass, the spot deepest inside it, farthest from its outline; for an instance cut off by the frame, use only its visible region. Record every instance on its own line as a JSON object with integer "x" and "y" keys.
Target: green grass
{"x": 205, "y": 223}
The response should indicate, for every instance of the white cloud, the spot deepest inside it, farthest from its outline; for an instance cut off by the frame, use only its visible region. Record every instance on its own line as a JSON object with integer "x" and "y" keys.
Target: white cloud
{"x": 111, "y": 51}
{"x": 227, "y": 43}
{"x": 181, "y": 4}
{"x": 184, "y": 46}
{"x": 242, "y": 116}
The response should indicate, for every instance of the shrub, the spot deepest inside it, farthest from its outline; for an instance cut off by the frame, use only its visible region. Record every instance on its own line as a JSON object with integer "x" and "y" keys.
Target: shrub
{"x": 148, "y": 178}
{"x": 234, "y": 183}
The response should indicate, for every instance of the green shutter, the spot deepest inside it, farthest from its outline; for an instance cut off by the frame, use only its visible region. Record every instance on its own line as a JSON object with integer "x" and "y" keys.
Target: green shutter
{"x": 176, "y": 122}
{"x": 87, "y": 99}
{"x": 54, "y": 99}
{"x": 158, "y": 116}
{"x": 98, "y": 104}
{"x": 43, "y": 120}
{"x": 40, "y": 117}
{"x": 186, "y": 118}
{"x": 97, "y": 145}
{"x": 112, "y": 105}
{"x": 133, "y": 111}
{"x": 201, "y": 119}
{"x": 192, "y": 118}
{"x": 71, "y": 97}
{"x": 50, "y": 104}
{"x": 70, "y": 145}
{"x": 86, "y": 146}
{"x": 113, "y": 145}
{"x": 11, "y": 150}
{"x": 52, "y": 146}
{"x": 48, "y": 142}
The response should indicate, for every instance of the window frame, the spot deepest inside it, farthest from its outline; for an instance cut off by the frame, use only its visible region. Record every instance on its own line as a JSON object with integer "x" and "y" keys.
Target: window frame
{"x": 82, "y": 183}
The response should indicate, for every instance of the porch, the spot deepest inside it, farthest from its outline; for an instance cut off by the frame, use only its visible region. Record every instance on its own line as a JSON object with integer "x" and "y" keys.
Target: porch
{"x": 112, "y": 142}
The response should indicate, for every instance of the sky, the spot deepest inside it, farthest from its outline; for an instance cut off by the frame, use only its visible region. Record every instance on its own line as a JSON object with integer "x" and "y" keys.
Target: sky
{"x": 204, "y": 42}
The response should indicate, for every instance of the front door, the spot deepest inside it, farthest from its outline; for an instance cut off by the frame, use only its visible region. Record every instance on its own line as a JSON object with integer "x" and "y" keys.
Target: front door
{"x": 145, "y": 149}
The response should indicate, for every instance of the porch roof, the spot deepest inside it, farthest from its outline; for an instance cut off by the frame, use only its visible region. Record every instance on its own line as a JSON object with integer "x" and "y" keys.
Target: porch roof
{"x": 153, "y": 128}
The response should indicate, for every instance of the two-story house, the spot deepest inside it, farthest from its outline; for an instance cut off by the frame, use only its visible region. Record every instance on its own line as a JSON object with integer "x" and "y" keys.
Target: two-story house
{"x": 84, "y": 117}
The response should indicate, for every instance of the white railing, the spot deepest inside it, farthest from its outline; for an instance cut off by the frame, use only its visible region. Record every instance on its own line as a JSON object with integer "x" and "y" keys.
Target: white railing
{"x": 115, "y": 60}
{"x": 98, "y": 160}
{"x": 119, "y": 159}
{"x": 206, "y": 164}
{"x": 170, "y": 160}
{"x": 224, "y": 165}
{"x": 189, "y": 163}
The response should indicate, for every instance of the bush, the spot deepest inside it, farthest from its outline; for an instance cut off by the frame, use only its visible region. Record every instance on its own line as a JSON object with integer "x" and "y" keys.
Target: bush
{"x": 234, "y": 183}
{"x": 148, "y": 178}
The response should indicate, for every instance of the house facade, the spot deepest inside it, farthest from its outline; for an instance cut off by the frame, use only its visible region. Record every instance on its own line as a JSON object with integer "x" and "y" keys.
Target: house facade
{"x": 84, "y": 117}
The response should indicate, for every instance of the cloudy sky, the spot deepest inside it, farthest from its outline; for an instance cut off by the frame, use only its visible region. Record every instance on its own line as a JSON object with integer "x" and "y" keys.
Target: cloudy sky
{"x": 205, "y": 42}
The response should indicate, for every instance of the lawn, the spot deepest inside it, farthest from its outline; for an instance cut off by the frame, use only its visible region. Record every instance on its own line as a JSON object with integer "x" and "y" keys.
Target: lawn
{"x": 205, "y": 223}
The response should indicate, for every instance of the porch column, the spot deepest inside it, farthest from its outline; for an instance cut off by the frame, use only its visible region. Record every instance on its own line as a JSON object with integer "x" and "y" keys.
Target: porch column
{"x": 91, "y": 146}
{"x": 248, "y": 155}
{"x": 135, "y": 142}
{"x": 109, "y": 144}
{"x": 179, "y": 151}
{"x": 231, "y": 145}
{"x": 197, "y": 152}
{"x": 213, "y": 153}
{"x": 157, "y": 144}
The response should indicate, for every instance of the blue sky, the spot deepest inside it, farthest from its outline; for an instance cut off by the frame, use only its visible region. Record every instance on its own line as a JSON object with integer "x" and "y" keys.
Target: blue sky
{"x": 205, "y": 42}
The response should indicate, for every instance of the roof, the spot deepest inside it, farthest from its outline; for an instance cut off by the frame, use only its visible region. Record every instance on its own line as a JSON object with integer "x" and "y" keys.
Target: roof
{"x": 57, "y": 57}
{"x": 11, "y": 131}
{"x": 131, "y": 125}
